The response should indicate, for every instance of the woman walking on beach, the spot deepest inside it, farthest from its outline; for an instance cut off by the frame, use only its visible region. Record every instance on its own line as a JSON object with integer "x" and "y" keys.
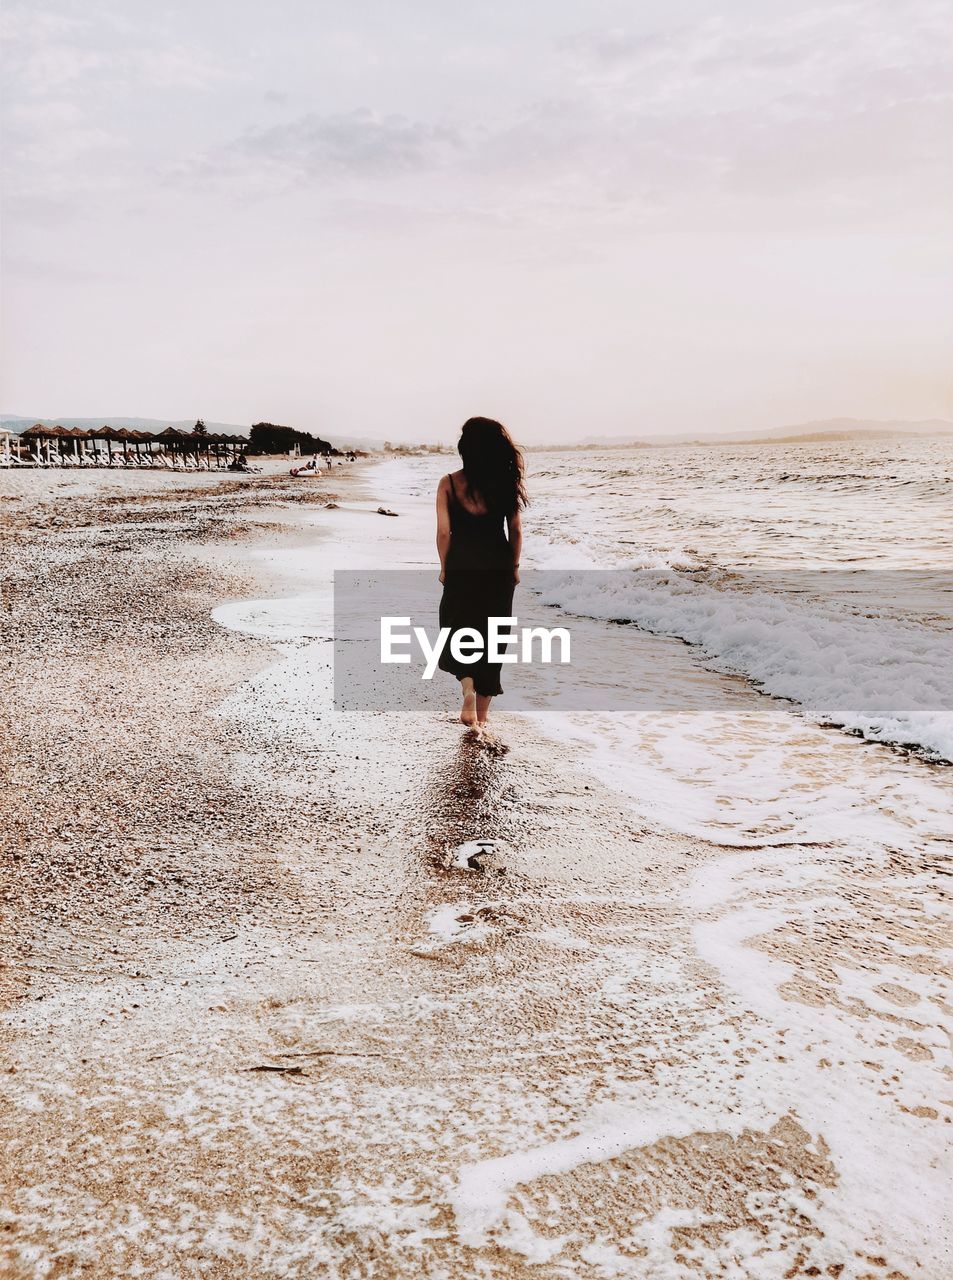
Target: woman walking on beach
{"x": 479, "y": 540}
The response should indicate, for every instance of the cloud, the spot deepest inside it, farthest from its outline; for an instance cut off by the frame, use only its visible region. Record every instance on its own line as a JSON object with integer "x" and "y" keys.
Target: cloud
{"x": 357, "y": 144}
{"x": 748, "y": 118}
{"x": 78, "y": 88}
{"x": 93, "y": 57}
{"x": 751, "y": 62}
{"x": 812, "y": 105}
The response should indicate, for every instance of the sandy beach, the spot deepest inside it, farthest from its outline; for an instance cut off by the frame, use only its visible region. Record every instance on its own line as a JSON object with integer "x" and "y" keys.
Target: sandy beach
{"x": 263, "y": 1016}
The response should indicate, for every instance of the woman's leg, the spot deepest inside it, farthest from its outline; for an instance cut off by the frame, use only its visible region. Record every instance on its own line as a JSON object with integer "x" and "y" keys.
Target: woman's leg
{"x": 482, "y": 708}
{"x": 468, "y": 712}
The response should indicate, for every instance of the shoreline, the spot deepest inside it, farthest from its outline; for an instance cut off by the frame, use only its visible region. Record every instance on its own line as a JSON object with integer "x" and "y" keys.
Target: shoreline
{"x": 604, "y": 1051}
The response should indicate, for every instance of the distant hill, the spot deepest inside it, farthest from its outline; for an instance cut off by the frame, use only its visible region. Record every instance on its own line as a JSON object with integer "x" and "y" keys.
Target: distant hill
{"x": 369, "y": 444}
{"x": 819, "y": 437}
{"x": 843, "y": 428}
{"x": 830, "y": 429}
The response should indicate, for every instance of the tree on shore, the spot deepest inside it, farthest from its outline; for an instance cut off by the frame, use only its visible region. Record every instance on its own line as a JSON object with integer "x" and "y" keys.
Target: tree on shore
{"x": 200, "y": 428}
{"x": 268, "y": 437}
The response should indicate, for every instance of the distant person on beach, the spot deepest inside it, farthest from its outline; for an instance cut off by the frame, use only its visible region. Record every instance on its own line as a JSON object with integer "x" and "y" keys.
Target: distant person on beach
{"x": 479, "y": 540}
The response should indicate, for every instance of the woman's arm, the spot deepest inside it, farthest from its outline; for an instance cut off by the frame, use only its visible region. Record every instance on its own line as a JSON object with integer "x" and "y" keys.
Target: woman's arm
{"x": 443, "y": 524}
{"x": 514, "y": 532}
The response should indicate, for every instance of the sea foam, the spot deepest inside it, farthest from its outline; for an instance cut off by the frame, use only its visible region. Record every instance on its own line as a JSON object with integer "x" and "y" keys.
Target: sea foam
{"x": 883, "y": 678}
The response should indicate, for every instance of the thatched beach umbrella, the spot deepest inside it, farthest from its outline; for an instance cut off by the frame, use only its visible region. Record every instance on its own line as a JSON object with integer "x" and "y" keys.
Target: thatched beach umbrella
{"x": 237, "y": 444}
{"x": 32, "y": 434}
{"x": 212, "y": 444}
{"x": 41, "y": 436}
{"x": 74, "y": 434}
{"x": 109, "y": 434}
{"x": 125, "y": 435}
{"x": 56, "y": 437}
{"x": 141, "y": 438}
{"x": 197, "y": 441}
{"x": 172, "y": 438}
{"x": 94, "y": 434}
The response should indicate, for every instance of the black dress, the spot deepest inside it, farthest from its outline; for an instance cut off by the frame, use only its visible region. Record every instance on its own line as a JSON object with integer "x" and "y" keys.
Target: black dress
{"x": 478, "y": 584}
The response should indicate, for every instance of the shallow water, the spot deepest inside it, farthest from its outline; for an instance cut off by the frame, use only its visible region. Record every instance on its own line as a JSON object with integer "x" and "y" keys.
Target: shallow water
{"x": 713, "y": 756}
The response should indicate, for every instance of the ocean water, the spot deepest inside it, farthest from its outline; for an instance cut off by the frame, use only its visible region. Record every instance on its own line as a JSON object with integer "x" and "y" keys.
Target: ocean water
{"x": 885, "y": 505}
{"x": 795, "y": 608}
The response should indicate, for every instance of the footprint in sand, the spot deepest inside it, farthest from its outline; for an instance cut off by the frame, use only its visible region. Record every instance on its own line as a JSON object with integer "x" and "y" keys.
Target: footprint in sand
{"x": 472, "y": 855}
{"x": 461, "y": 923}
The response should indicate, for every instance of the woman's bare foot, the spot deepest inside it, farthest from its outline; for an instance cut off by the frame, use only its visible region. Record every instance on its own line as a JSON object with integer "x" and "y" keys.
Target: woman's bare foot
{"x": 482, "y": 709}
{"x": 468, "y": 712}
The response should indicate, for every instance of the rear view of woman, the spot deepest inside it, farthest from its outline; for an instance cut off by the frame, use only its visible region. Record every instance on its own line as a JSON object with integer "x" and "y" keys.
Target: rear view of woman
{"x": 479, "y": 540}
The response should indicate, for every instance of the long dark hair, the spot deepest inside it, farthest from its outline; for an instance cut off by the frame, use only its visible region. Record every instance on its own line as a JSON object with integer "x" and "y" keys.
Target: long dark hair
{"x": 493, "y": 465}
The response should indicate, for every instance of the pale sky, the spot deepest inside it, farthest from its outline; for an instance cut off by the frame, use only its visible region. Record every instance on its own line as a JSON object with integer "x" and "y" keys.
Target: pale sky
{"x": 379, "y": 217}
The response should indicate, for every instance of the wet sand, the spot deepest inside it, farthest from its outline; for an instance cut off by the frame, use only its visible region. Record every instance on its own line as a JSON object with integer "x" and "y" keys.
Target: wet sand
{"x": 263, "y": 1019}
